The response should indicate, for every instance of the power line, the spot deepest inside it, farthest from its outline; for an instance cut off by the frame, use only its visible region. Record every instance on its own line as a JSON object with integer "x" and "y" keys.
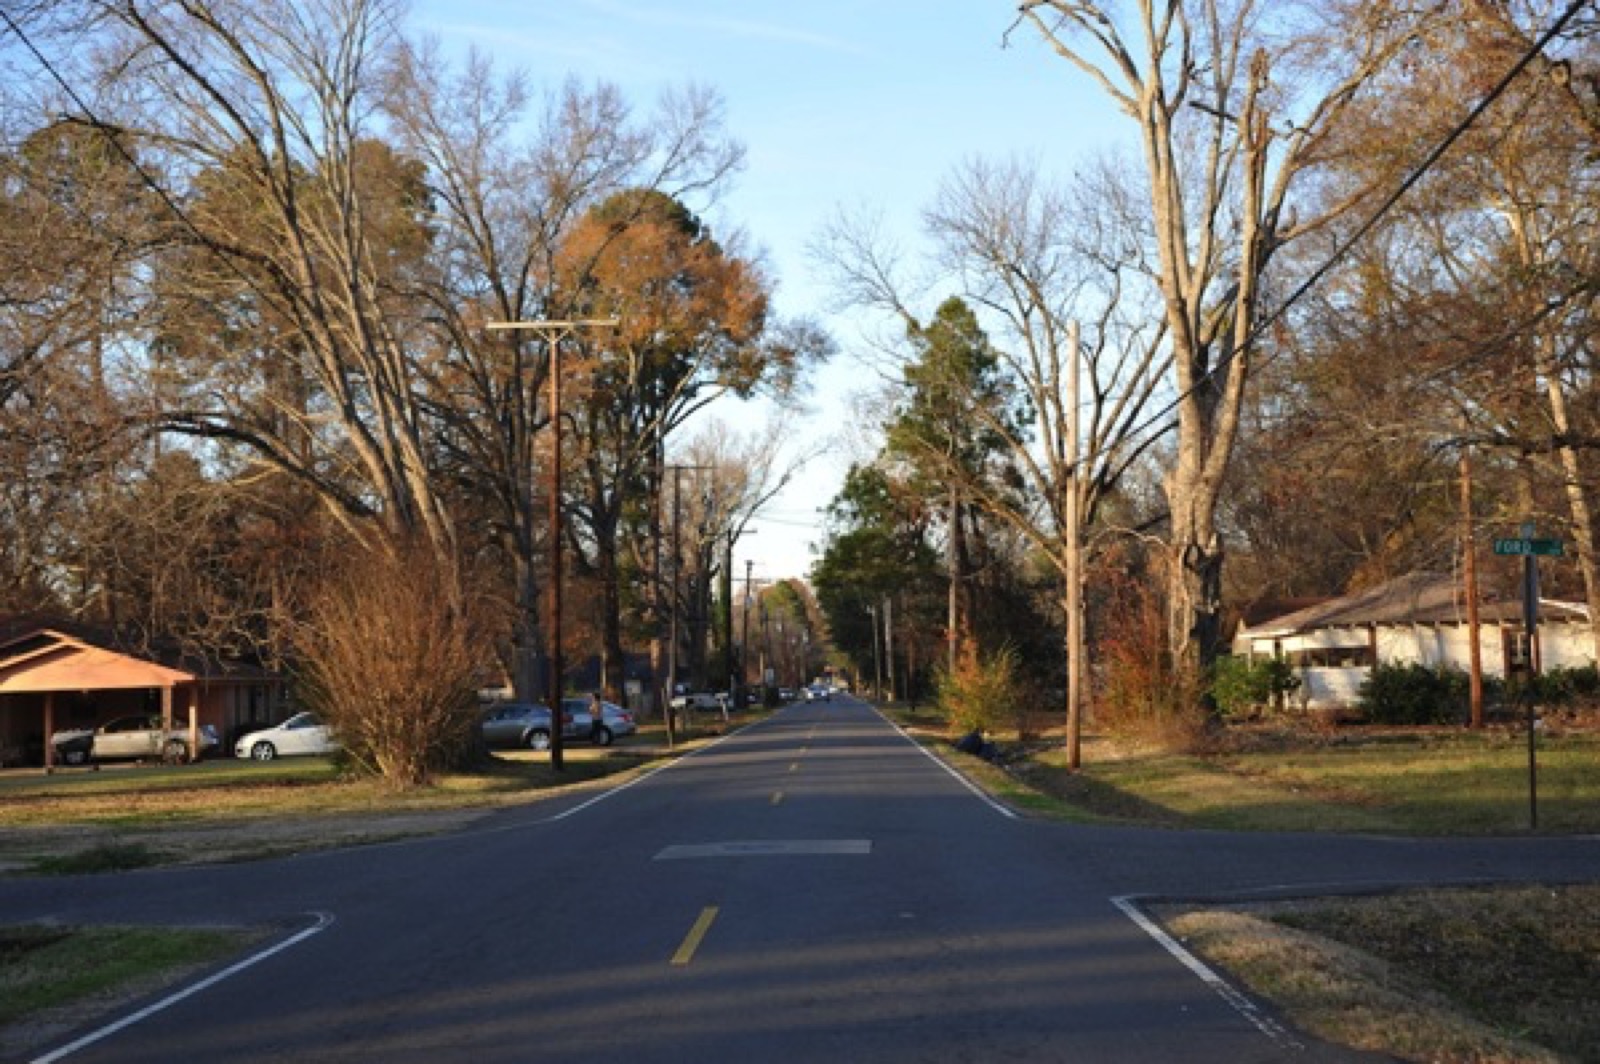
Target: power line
{"x": 1349, "y": 243}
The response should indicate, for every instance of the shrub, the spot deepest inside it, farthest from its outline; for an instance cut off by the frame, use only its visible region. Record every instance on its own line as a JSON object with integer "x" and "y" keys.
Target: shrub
{"x": 389, "y": 657}
{"x": 1243, "y": 688}
{"x": 1415, "y": 694}
{"x": 1141, "y": 692}
{"x": 983, "y": 691}
{"x": 1563, "y": 686}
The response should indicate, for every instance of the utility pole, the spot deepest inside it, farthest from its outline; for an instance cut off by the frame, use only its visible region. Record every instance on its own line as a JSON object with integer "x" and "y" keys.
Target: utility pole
{"x": 877, "y": 665}
{"x": 744, "y": 638}
{"x": 1074, "y": 596}
{"x": 727, "y": 613}
{"x": 553, "y": 332}
{"x": 672, "y": 606}
{"x": 1469, "y": 555}
{"x": 888, "y": 640}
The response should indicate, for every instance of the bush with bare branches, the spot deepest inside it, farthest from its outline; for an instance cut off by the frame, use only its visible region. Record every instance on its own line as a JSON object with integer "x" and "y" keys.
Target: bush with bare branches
{"x": 389, "y": 651}
{"x": 1143, "y": 692}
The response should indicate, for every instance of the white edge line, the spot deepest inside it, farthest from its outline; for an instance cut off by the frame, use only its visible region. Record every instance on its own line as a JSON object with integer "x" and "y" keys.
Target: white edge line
{"x": 998, "y": 807}
{"x": 614, "y": 791}
{"x": 1241, "y": 1003}
{"x": 324, "y": 921}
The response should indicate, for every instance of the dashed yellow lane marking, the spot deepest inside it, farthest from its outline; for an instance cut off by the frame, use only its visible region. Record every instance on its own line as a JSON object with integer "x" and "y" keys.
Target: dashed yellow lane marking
{"x": 697, "y": 933}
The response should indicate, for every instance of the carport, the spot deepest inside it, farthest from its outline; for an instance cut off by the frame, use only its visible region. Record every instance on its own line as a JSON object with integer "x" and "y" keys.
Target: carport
{"x": 46, "y": 663}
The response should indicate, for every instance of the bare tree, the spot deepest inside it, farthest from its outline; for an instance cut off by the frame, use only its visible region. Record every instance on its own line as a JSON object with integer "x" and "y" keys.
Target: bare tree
{"x": 1035, "y": 258}
{"x": 255, "y": 123}
{"x": 511, "y": 246}
{"x": 1226, "y": 122}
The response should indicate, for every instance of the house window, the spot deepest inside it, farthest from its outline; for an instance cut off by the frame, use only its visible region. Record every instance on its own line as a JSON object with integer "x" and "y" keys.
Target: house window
{"x": 1518, "y": 650}
{"x": 1333, "y": 657}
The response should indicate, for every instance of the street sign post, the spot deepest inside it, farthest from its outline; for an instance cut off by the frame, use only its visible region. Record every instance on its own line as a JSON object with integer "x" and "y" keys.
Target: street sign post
{"x": 1530, "y": 548}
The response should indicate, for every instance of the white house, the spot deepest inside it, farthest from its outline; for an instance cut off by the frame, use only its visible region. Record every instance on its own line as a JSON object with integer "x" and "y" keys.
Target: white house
{"x": 1415, "y": 619}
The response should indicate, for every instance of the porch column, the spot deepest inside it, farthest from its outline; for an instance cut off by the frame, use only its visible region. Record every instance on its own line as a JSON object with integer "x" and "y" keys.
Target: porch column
{"x": 49, "y": 730}
{"x": 166, "y": 722}
{"x": 194, "y": 722}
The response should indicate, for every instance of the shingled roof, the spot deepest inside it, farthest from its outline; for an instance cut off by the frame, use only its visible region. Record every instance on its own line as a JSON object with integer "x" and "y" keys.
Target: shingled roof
{"x": 1417, "y": 598}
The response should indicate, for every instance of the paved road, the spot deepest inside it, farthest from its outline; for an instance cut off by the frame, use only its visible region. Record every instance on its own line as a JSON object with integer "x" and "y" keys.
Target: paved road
{"x": 814, "y": 888}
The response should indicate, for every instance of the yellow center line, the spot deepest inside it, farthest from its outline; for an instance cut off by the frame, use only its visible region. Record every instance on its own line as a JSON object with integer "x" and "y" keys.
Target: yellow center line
{"x": 696, "y": 933}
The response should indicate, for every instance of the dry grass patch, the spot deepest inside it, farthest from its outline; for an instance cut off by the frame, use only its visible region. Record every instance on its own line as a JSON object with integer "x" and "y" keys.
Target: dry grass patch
{"x": 225, "y": 811}
{"x": 1490, "y": 975}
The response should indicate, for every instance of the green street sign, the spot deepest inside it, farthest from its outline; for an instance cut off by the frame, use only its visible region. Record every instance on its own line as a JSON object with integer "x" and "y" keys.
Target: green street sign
{"x": 1545, "y": 547}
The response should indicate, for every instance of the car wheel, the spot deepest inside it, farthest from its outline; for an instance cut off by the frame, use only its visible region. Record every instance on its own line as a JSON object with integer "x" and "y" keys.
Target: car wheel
{"x": 603, "y": 737}
{"x": 73, "y": 757}
{"x": 263, "y": 752}
{"x": 176, "y": 752}
{"x": 539, "y": 739}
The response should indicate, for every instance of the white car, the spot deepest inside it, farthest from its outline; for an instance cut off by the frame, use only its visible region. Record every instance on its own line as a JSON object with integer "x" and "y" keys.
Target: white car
{"x": 303, "y": 733}
{"x": 700, "y": 701}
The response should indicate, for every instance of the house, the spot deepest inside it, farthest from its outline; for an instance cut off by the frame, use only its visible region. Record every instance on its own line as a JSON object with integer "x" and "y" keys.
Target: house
{"x": 57, "y": 675}
{"x": 1421, "y": 619}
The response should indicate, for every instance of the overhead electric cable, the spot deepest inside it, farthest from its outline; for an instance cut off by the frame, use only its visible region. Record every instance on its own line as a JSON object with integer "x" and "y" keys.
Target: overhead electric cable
{"x": 1345, "y": 247}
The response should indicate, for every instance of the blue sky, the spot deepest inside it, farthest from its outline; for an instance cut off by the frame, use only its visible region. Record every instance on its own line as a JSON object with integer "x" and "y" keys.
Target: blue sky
{"x": 855, "y": 104}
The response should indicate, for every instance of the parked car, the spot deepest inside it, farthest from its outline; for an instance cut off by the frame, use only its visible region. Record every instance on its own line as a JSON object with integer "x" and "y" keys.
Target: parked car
{"x": 303, "y": 733}
{"x": 517, "y": 724}
{"x": 700, "y": 700}
{"x": 139, "y": 736}
{"x": 578, "y": 724}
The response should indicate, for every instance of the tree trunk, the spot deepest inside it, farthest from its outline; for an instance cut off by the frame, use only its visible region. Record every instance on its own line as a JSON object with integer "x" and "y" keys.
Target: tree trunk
{"x": 613, "y": 673}
{"x": 1572, "y": 480}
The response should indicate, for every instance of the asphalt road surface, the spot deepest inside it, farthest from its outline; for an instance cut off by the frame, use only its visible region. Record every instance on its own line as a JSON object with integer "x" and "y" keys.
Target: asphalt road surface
{"x": 812, "y": 888}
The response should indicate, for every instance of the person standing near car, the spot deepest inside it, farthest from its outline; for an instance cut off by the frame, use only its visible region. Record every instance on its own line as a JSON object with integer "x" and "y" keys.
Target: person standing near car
{"x": 597, "y": 717}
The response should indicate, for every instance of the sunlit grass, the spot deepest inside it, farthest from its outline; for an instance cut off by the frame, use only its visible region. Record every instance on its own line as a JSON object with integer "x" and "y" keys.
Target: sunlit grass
{"x": 1424, "y": 782}
{"x": 48, "y": 968}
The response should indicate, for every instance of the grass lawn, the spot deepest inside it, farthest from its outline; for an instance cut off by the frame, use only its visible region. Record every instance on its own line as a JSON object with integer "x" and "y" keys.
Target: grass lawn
{"x": 53, "y": 978}
{"x": 1424, "y": 783}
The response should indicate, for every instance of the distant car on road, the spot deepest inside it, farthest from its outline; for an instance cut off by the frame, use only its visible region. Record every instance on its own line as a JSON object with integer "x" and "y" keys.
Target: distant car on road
{"x": 818, "y": 693}
{"x": 517, "y": 724}
{"x": 140, "y": 736}
{"x": 303, "y": 733}
{"x": 614, "y": 721}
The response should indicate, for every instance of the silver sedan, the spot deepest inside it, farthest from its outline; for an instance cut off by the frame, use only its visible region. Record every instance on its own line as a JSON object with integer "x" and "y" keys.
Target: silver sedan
{"x": 614, "y": 721}
{"x": 518, "y": 724}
